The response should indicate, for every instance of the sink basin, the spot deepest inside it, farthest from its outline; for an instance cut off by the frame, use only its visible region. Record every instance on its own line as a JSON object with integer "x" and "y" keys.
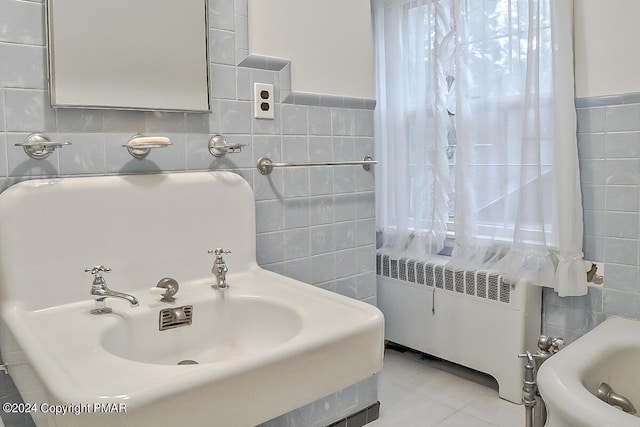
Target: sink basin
{"x": 267, "y": 343}
{"x": 222, "y": 330}
{"x": 569, "y": 381}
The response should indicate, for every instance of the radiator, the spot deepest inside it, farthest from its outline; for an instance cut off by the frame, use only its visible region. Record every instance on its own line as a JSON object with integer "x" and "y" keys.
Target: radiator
{"x": 473, "y": 318}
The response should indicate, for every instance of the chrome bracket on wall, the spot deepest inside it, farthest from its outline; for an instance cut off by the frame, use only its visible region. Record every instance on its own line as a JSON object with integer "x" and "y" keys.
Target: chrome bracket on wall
{"x": 39, "y": 146}
{"x": 218, "y": 146}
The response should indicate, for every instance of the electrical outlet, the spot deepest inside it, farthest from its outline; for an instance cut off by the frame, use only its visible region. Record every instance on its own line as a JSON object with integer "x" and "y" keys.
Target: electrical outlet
{"x": 263, "y": 101}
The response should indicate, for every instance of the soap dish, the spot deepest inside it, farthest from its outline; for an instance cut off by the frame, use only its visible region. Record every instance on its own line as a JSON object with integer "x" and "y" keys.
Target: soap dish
{"x": 139, "y": 146}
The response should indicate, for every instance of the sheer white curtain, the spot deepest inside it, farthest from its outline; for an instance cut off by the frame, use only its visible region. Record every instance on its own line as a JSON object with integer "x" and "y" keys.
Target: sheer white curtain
{"x": 518, "y": 201}
{"x": 414, "y": 48}
{"x": 518, "y": 205}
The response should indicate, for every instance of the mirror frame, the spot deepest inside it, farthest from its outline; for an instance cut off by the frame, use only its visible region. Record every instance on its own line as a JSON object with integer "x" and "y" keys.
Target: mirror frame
{"x": 50, "y": 47}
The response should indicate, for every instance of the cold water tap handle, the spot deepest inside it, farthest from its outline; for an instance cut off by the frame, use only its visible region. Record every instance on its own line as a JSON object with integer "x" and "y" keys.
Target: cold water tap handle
{"x": 97, "y": 270}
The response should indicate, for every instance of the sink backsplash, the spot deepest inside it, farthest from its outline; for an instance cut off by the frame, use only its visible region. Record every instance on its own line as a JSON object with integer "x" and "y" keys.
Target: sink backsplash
{"x": 142, "y": 227}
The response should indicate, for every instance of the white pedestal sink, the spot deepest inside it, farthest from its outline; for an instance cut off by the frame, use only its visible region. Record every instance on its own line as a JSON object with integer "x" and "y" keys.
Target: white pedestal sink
{"x": 264, "y": 346}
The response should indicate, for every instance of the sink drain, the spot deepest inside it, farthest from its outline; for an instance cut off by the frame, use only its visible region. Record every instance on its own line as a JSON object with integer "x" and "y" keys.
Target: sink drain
{"x": 187, "y": 362}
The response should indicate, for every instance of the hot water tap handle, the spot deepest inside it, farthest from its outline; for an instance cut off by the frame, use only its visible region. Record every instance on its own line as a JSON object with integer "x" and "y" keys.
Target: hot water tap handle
{"x": 97, "y": 270}
{"x": 219, "y": 261}
{"x": 97, "y": 274}
{"x": 219, "y": 269}
{"x": 219, "y": 251}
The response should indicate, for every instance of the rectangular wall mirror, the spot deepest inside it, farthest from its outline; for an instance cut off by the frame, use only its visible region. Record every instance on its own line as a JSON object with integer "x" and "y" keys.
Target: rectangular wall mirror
{"x": 129, "y": 54}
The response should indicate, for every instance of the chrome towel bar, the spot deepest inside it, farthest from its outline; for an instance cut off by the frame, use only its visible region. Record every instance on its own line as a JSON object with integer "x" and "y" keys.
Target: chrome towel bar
{"x": 265, "y": 165}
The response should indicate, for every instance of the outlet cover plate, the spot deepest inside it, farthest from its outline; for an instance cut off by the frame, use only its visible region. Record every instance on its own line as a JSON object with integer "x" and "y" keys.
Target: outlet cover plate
{"x": 263, "y": 101}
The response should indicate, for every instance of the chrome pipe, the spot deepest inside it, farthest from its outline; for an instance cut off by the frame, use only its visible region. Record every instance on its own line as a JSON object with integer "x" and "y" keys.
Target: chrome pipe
{"x": 529, "y": 390}
{"x": 528, "y": 416}
{"x": 265, "y": 165}
{"x": 540, "y": 412}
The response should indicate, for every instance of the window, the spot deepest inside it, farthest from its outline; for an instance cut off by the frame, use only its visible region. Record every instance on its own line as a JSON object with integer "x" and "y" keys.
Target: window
{"x": 424, "y": 48}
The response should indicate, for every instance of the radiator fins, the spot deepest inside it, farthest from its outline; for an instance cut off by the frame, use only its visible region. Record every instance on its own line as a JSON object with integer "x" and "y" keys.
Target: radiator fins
{"x": 481, "y": 284}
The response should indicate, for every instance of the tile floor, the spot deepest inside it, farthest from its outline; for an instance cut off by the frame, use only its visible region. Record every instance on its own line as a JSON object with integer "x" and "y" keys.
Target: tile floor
{"x": 416, "y": 392}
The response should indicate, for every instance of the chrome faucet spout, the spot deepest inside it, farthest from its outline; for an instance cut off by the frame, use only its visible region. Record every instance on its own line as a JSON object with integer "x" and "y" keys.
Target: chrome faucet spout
{"x": 100, "y": 291}
{"x": 104, "y": 292}
{"x": 220, "y": 268}
{"x": 606, "y": 394}
{"x": 221, "y": 273}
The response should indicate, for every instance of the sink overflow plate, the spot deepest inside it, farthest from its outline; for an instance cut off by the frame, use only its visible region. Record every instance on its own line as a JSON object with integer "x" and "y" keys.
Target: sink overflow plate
{"x": 175, "y": 317}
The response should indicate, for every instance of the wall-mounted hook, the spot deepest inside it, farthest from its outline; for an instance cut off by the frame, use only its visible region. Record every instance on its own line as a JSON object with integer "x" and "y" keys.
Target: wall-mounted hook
{"x": 39, "y": 146}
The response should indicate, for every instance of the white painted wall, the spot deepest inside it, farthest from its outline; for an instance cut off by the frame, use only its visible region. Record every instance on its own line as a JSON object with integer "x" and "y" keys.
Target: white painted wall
{"x": 329, "y": 43}
{"x": 607, "y": 57}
